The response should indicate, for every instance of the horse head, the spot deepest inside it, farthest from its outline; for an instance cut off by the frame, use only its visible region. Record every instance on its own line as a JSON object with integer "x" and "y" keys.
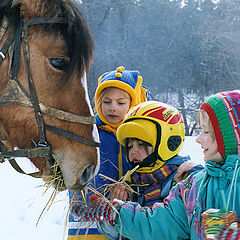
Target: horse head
{"x": 45, "y": 54}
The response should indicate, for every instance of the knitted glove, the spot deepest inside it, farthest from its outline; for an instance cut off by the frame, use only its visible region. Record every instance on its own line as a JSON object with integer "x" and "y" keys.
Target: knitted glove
{"x": 229, "y": 234}
{"x": 97, "y": 211}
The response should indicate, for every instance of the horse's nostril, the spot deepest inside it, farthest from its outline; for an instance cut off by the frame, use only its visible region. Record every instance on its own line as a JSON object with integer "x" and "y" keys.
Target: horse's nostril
{"x": 87, "y": 175}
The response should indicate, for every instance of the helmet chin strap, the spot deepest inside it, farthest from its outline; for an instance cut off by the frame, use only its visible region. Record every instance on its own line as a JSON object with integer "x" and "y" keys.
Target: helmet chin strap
{"x": 149, "y": 161}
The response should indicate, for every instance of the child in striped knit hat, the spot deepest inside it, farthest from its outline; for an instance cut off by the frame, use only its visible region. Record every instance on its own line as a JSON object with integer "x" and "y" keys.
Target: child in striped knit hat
{"x": 217, "y": 186}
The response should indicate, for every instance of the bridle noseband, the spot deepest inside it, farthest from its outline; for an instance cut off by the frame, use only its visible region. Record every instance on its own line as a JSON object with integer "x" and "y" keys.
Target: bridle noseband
{"x": 14, "y": 93}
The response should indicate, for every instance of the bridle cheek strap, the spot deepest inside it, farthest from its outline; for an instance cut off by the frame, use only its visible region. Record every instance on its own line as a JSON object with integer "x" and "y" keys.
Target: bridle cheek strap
{"x": 71, "y": 136}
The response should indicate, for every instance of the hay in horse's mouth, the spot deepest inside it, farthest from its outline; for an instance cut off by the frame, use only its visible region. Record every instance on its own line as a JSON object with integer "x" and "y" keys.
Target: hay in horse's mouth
{"x": 55, "y": 178}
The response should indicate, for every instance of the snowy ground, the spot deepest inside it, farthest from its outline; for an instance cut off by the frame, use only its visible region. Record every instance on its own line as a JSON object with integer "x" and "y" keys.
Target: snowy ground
{"x": 22, "y": 201}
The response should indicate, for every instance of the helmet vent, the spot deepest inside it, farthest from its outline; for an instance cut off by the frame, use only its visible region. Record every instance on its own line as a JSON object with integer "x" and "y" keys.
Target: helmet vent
{"x": 174, "y": 142}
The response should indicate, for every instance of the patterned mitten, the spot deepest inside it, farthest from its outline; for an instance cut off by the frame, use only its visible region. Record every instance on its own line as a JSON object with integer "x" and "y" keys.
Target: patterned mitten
{"x": 98, "y": 211}
{"x": 229, "y": 234}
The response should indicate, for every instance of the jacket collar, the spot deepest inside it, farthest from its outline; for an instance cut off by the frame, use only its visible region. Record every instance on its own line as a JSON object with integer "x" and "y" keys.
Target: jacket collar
{"x": 226, "y": 170}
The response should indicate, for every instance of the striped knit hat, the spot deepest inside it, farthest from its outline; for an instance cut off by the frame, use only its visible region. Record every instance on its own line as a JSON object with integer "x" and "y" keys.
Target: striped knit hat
{"x": 223, "y": 110}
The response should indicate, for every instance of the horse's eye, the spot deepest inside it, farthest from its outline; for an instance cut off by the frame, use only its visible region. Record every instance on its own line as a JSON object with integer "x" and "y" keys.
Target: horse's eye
{"x": 59, "y": 63}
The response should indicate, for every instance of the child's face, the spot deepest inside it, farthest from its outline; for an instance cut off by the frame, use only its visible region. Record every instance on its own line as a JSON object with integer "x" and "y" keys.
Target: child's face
{"x": 115, "y": 105}
{"x": 207, "y": 139}
{"x": 137, "y": 150}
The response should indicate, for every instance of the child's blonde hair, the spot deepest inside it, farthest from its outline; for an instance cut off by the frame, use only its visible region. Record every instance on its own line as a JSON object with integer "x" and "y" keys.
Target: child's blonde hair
{"x": 203, "y": 114}
{"x": 98, "y": 102}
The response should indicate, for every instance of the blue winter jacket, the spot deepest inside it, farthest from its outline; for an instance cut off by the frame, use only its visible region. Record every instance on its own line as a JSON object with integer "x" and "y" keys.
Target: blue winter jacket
{"x": 180, "y": 217}
{"x": 109, "y": 156}
{"x": 109, "y": 165}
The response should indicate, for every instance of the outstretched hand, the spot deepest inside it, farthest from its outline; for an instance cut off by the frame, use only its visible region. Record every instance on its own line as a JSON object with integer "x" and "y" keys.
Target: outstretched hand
{"x": 119, "y": 192}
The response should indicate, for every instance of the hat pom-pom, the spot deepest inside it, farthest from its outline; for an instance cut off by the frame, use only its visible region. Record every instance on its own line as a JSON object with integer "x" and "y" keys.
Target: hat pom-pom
{"x": 120, "y": 69}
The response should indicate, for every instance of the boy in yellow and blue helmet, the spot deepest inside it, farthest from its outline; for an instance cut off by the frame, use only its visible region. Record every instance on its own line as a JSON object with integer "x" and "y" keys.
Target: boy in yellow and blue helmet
{"x": 113, "y": 163}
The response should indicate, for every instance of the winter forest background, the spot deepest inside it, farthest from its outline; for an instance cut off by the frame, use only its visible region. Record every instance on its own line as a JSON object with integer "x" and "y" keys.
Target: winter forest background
{"x": 185, "y": 50}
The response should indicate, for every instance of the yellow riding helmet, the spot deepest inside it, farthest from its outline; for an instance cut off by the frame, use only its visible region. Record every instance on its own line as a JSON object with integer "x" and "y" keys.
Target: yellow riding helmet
{"x": 157, "y": 123}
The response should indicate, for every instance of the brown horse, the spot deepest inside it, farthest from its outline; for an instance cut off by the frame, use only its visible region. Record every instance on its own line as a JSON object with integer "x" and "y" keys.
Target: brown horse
{"x": 45, "y": 53}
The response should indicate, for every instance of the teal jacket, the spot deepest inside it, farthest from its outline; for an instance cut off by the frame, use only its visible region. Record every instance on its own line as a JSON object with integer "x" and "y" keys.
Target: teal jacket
{"x": 180, "y": 216}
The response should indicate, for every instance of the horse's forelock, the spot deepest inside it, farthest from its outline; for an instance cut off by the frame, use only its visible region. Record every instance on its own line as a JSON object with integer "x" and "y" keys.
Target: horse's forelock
{"x": 37, "y": 8}
{"x": 78, "y": 37}
{"x": 75, "y": 31}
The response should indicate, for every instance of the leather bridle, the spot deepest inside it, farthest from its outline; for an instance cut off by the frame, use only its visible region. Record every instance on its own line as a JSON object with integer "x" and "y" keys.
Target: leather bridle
{"x": 14, "y": 93}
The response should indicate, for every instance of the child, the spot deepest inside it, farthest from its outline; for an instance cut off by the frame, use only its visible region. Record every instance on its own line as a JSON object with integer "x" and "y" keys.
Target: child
{"x": 153, "y": 134}
{"x": 116, "y": 93}
{"x": 217, "y": 186}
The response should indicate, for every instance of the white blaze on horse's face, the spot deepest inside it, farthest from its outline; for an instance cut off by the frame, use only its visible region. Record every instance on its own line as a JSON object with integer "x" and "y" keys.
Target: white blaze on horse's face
{"x": 95, "y": 130}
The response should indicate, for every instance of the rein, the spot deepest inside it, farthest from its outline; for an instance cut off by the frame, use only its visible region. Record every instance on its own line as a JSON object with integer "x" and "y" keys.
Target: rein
{"x": 14, "y": 93}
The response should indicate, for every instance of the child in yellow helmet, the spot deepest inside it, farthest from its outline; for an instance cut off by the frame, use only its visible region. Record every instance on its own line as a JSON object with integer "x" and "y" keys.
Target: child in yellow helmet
{"x": 153, "y": 134}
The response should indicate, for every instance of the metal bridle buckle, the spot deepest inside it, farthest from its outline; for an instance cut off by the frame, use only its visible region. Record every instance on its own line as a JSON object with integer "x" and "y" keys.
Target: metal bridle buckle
{"x": 2, "y": 55}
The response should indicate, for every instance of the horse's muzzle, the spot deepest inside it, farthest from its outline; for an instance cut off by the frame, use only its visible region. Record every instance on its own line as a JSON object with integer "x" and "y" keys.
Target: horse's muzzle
{"x": 83, "y": 180}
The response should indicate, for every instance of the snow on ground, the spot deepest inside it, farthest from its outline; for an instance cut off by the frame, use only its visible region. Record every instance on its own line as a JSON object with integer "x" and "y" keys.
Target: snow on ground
{"x": 22, "y": 201}
{"x": 190, "y": 147}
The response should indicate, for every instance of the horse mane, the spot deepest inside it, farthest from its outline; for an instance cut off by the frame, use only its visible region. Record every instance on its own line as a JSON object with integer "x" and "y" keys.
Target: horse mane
{"x": 74, "y": 30}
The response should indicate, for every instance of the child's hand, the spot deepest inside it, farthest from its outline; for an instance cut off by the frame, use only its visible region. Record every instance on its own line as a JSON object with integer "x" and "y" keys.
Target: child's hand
{"x": 119, "y": 192}
{"x": 184, "y": 168}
